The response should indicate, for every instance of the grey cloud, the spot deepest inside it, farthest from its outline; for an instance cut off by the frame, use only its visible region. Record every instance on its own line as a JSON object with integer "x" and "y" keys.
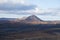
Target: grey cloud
{"x": 53, "y": 12}
{"x": 9, "y": 7}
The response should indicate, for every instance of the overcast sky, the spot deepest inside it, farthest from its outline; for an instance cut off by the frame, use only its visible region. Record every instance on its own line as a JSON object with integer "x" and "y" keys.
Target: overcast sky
{"x": 44, "y": 9}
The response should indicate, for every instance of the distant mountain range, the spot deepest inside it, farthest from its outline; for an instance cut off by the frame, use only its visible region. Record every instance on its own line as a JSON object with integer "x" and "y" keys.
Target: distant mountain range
{"x": 31, "y": 20}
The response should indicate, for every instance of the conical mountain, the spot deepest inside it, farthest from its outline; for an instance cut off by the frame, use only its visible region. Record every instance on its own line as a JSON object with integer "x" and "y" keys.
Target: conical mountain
{"x": 33, "y": 18}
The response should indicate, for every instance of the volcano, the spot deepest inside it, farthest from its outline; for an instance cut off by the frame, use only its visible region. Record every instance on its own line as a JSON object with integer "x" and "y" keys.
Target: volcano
{"x": 33, "y": 18}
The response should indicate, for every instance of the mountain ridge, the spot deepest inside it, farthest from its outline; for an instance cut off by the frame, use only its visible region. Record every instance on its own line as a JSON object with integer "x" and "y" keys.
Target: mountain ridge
{"x": 33, "y": 19}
